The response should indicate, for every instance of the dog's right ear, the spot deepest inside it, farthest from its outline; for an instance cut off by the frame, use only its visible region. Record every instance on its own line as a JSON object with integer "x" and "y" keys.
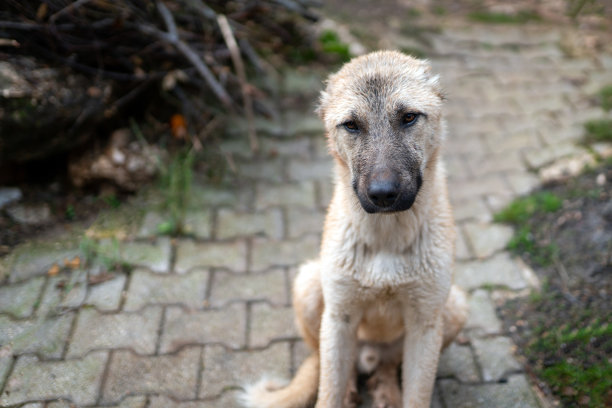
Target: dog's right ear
{"x": 321, "y": 107}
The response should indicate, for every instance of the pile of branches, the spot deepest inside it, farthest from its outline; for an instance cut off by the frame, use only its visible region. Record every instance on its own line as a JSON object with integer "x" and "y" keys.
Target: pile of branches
{"x": 208, "y": 46}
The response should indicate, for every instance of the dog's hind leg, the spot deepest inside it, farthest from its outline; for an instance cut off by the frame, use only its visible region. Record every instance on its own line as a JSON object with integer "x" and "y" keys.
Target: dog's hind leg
{"x": 302, "y": 391}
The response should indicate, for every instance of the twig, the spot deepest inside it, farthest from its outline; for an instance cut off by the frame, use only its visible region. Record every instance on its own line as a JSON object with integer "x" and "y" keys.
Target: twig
{"x": 168, "y": 20}
{"x": 228, "y": 36}
{"x": 189, "y": 53}
{"x": 202, "y": 9}
{"x": 67, "y": 9}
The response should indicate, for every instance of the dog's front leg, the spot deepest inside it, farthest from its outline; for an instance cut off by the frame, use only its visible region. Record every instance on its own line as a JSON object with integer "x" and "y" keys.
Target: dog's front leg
{"x": 422, "y": 343}
{"x": 338, "y": 341}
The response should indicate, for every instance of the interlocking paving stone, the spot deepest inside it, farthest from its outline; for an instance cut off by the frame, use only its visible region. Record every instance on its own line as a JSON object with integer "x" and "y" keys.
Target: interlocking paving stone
{"x": 149, "y": 288}
{"x": 486, "y": 239}
{"x": 458, "y": 362}
{"x": 224, "y": 369}
{"x": 516, "y": 393}
{"x": 311, "y": 170}
{"x": 270, "y": 323}
{"x": 269, "y": 285}
{"x": 77, "y": 380}
{"x": 128, "y": 402}
{"x": 268, "y": 253}
{"x": 183, "y": 327}
{"x": 198, "y": 223}
{"x": 472, "y": 209}
{"x": 299, "y": 147}
{"x": 522, "y": 183}
{"x": 153, "y": 256}
{"x": 499, "y": 270}
{"x": 173, "y": 375}
{"x": 462, "y": 251}
{"x": 276, "y": 195}
{"x": 20, "y": 299}
{"x": 300, "y": 222}
{"x": 536, "y": 158}
{"x": 46, "y": 337}
{"x": 271, "y": 170}
{"x": 495, "y": 357}
{"x": 6, "y": 360}
{"x": 482, "y": 317}
{"x": 94, "y": 330}
{"x": 230, "y": 255}
{"x": 33, "y": 261}
{"x": 232, "y": 224}
{"x": 106, "y": 296}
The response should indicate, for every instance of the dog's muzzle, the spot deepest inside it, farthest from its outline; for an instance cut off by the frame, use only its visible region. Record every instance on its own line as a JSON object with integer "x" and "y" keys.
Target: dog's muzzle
{"x": 385, "y": 192}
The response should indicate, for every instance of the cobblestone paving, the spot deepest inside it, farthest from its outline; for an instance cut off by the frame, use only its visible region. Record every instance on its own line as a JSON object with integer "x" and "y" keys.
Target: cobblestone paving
{"x": 198, "y": 316}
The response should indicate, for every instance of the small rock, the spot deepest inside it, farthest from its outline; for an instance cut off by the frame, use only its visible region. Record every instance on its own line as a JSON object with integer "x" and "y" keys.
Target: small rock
{"x": 30, "y": 214}
{"x": 9, "y": 195}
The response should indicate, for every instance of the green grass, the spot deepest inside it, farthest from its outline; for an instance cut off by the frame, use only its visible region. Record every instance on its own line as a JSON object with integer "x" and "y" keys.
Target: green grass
{"x": 331, "y": 44}
{"x": 503, "y": 18}
{"x": 175, "y": 185}
{"x": 521, "y": 209}
{"x": 605, "y": 97}
{"x": 580, "y": 378}
{"x": 598, "y": 130}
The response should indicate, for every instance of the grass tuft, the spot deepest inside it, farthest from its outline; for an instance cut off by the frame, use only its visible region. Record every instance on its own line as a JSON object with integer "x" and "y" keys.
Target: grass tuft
{"x": 331, "y": 44}
{"x": 598, "y": 130}
{"x": 521, "y": 209}
{"x": 605, "y": 97}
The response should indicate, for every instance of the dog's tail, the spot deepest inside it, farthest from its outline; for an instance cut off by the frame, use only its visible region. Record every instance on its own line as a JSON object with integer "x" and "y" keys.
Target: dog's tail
{"x": 300, "y": 393}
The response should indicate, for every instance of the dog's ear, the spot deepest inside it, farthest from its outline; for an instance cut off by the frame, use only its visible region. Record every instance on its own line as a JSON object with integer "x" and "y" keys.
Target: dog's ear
{"x": 321, "y": 107}
{"x": 433, "y": 80}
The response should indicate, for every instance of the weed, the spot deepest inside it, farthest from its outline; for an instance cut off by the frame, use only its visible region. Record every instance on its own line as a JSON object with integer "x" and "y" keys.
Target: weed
{"x": 105, "y": 253}
{"x": 605, "y": 97}
{"x": 598, "y": 130}
{"x": 175, "y": 180}
{"x": 439, "y": 10}
{"x": 70, "y": 213}
{"x": 502, "y": 18}
{"x": 112, "y": 201}
{"x": 331, "y": 44}
{"x": 521, "y": 209}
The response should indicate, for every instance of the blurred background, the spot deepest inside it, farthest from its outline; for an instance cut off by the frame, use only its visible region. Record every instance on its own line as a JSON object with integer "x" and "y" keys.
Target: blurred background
{"x": 144, "y": 140}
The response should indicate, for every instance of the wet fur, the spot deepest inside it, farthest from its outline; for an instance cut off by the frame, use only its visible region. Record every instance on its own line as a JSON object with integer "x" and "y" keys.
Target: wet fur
{"x": 383, "y": 282}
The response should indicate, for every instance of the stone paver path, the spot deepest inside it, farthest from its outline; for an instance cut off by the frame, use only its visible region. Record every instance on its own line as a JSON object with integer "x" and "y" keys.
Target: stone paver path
{"x": 198, "y": 316}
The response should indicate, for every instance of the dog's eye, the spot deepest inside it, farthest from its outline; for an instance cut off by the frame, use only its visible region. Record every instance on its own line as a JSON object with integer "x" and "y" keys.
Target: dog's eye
{"x": 409, "y": 119}
{"x": 351, "y": 126}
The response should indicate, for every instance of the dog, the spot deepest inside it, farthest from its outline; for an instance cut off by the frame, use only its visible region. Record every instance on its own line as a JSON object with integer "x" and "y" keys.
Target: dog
{"x": 381, "y": 292}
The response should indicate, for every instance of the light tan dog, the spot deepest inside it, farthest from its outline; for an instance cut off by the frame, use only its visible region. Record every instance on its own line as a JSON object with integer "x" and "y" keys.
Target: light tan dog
{"x": 381, "y": 292}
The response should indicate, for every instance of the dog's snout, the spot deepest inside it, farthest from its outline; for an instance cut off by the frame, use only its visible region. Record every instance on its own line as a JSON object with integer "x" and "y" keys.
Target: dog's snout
{"x": 383, "y": 189}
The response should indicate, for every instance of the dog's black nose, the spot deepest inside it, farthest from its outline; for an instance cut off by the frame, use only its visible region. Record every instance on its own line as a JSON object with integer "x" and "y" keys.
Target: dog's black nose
{"x": 383, "y": 192}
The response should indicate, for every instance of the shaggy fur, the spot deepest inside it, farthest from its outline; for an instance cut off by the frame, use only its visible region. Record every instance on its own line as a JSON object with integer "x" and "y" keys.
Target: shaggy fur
{"x": 381, "y": 291}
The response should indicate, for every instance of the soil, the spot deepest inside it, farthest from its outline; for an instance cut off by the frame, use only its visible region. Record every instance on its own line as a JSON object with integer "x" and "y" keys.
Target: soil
{"x": 577, "y": 290}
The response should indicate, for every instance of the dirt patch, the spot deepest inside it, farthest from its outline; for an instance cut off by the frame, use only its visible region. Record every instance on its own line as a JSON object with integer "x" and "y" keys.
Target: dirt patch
{"x": 564, "y": 331}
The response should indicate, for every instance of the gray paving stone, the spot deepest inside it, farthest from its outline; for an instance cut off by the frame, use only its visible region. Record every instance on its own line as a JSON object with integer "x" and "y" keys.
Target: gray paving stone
{"x": 271, "y": 170}
{"x": 522, "y": 183}
{"x": 270, "y": 323}
{"x": 36, "y": 260}
{"x": 326, "y": 191}
{"x": 300, "y": 170}
{"x": 516, "y": 393}
{"x": 499, "y": 270}
{"x": 230, "y": 255}
{"x": 458, "y": 362}
{"x": 300, "y": 124}
{"x": 486, "y": 239}
{"x": 153, "y": 256}
{"x": 227, "y": 400}
{"x": 46, "y": 337}
{"x": 77, "y": 380}
{"x": 482, "y": 318}
{"x": 298, "y": 147}
{"x": 301, "y": 222}
{"x": 232, "y": 224}
{"x": 495, "y": 357}
{"x": 19, "y": 300}
{"x": 106, "y": 296}
{"x": 514, "y": 142}
{"x": 302, "y": 83}
{"x": 148, "y": 288}
{"x": 462, "y": 251}
{"x": 278, "y": 195}
{"x": 173, "y": 375}
{"x": 470, "y": 190}
{"x": 209, "y": 196}
{"x": 186, "y": 327}
{"x": 150, "y": 223}
{"x": 269, "y": 285}
{"x": 536, "y": 158}
{"x": 136, "y": 331}
{"x": 6, "y": 360}
{"x": 138, "y": 401}
{"x": 224, "y": 369}
{"x": 198, "y": 223}
{"x": 471, "y": 209}
{"x": 267, "y": 253}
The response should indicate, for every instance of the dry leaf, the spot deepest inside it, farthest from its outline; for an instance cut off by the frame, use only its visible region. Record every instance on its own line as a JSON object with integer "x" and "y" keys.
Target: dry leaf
{"x": 54, "y": 270}
{"x": 178, "y": 125}
{"x": 74, "y": 263}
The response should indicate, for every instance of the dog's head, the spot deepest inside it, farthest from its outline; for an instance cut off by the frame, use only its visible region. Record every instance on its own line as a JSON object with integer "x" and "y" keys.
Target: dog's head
{"x": 382, "y": 114}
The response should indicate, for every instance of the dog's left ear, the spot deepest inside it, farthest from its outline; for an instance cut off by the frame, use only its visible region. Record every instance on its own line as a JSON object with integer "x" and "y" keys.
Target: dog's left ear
{"x": 432, "y": 79}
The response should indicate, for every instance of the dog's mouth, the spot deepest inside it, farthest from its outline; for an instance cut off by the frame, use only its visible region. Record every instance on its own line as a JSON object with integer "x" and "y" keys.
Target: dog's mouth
{"x": 388, "y": 197}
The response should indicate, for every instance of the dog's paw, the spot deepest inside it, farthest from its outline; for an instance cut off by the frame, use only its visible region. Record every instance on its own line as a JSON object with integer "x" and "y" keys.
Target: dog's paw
{"x": 258, "y": 394}
{"x": 369, "y": 359}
